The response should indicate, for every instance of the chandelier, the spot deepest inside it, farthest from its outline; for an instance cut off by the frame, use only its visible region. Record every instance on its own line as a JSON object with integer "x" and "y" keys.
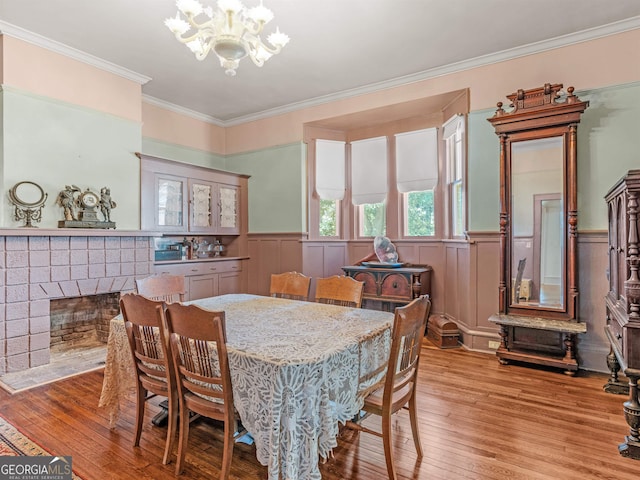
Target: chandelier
{"x": 231, "y": 31}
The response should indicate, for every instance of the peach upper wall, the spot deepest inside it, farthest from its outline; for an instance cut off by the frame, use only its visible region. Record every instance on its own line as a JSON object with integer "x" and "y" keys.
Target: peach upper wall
{"x": 171, "y": 127}
{"x": 586, "y": 65}
{"x": 43, "y": 72}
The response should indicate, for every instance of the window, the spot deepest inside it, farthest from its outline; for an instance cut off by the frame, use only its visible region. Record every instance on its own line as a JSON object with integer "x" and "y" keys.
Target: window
{"x": 402, "y": 184}
{"x": 330, "y": 184}
{"x": 369, "y": 185}
{"x": 329, "y": 219}
{"x": 419, "y": 214}
{"x": 417, "y": 176}
{"x": 454, "y": 157}
{"x": 372, "y": 219}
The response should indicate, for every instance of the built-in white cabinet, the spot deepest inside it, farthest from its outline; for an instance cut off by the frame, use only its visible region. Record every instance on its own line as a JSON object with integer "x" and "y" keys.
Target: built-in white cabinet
{"x": 182, "y": 198}
{"x": 207, "y": 278}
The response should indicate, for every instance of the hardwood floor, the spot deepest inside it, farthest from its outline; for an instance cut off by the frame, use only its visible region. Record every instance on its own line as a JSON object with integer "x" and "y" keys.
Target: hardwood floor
{"x": 478, "y": 420}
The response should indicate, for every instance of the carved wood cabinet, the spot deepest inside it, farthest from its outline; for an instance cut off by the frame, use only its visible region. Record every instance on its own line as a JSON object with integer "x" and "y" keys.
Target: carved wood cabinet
{"x": 623, "y": 301}
{"x": 386, "y": 288}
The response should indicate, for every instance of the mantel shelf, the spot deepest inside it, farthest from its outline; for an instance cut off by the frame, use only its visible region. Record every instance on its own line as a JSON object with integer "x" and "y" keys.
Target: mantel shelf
{"x": 74, "y": 232}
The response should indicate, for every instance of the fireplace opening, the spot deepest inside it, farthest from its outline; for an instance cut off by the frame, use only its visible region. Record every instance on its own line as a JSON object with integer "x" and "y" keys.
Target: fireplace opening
{"x": 81, "y": 322}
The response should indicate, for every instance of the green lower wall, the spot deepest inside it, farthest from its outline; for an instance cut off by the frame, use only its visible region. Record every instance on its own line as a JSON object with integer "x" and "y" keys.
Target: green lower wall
{"x": 608, "y": 146}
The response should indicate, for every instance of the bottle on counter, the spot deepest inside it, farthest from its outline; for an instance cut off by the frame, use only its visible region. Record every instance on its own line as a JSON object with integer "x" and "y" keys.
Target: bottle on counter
{"x": 186, "y": 249}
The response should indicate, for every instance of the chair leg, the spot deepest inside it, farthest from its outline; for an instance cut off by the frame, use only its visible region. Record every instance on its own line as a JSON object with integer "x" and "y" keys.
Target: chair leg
{"x": 140, "y": 403}
{"x": 183, "y": 438}
{"x": 386, "y": 440}
{"x": 413, "y": 415}
{"x": 172, "y": 424}
{"x": 227, "y": 454}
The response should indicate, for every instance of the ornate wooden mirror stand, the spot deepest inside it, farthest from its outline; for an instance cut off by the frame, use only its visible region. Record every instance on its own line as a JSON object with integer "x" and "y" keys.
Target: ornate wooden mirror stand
{"x": 538, "y": 288}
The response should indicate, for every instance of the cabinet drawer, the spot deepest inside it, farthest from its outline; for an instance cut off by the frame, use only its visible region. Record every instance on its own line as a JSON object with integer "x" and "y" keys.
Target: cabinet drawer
{"x": 173, "y": 269}
{"x": 396, "y": 285}
{"x": 221, "y": 266}
{"x": 200, "y": 268}
{"x": 369, "y": 281}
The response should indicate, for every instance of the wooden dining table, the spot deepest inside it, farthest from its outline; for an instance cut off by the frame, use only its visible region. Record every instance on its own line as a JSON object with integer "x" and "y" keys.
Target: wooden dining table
{"x": 296, "y": 370}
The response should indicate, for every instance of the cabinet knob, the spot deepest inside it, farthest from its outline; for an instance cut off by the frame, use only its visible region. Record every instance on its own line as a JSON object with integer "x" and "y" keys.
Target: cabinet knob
{"x": 619, "y": 336}
{"x": 213, "y": 269}
{"x": 395, "y": 284}
{"x": 194, "y": 269}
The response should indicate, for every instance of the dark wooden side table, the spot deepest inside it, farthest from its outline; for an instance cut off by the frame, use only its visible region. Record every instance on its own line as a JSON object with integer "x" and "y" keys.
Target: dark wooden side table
{"x": 386, "y": 288}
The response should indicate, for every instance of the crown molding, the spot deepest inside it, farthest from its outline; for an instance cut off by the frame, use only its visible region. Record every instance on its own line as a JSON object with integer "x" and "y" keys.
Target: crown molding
{"x": 504, "y": 55}
{"x": 62, "y": 49}
{"x": 183, "y": 111}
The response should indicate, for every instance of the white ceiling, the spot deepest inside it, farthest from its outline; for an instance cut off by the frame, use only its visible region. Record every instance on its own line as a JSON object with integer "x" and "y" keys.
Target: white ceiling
{"x": 338, "y": 48}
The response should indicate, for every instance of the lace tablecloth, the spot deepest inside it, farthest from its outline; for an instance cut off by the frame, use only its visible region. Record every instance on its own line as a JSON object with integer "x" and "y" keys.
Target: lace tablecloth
{"x": 295, "y": 369}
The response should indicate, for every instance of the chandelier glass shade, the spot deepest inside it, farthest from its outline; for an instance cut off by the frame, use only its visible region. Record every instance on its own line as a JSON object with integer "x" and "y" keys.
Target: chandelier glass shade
{"x": 231, "y": 30}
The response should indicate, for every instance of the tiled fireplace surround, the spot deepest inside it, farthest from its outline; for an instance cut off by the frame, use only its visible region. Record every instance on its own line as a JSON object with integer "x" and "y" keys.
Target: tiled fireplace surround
{"x": 36, "y": 269}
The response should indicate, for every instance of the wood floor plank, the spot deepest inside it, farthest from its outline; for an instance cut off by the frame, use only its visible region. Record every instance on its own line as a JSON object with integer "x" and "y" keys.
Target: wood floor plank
{"x": 479, "y": 420}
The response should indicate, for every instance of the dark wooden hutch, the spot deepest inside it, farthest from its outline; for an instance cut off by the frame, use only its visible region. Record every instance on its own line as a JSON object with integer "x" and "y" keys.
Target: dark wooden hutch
{"x": 623, "y": 301}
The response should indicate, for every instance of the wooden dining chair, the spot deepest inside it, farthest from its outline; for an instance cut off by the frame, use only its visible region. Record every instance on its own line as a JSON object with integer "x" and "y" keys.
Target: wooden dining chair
{"x": 146, "y": 332}
{"x": 198, "y": 346}
{"x": 292, "y": 285}
{"x": 397, "y": 389}
{"x": 339, "y": 290}
{"x": 168, "y": 288}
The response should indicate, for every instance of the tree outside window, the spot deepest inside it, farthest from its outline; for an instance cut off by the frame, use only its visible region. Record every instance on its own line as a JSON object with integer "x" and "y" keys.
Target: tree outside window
{"x": 373, "y": 219}
{"x": 328, "y": 218}
{"x": 419, "y": 214}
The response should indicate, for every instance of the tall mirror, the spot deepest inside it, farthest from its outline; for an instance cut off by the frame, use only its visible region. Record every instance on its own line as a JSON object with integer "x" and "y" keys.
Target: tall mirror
{"x": 538, "y": 227}
{"x": 538, "y": 202}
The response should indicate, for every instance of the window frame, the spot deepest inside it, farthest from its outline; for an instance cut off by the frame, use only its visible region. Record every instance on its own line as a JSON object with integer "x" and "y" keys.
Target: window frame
{"x": 455, "y": 163}
{"x": 396, "y": 221}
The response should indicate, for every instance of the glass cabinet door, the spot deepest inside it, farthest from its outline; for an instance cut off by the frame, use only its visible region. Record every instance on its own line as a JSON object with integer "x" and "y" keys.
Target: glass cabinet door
{"x": 170, "y": 202}
{"x": 201, "y": 196}
{"x": 228, "y": 209}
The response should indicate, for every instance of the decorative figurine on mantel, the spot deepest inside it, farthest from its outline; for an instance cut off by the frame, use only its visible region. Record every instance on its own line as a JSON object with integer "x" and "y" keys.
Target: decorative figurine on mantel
{"x": 80, "y": 208}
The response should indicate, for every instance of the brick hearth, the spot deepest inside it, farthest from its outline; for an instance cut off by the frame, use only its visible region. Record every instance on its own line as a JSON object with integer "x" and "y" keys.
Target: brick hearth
{"x": 37, "y": 269}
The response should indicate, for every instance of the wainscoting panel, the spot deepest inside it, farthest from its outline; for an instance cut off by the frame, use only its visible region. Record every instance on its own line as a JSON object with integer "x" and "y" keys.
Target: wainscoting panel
{"x": 464, "y": 281}
{"x": 272, "y": 253}
{"x": 593, "y": 263}
{"x": 432, "y": 254}
{"x": 323, "y": 259}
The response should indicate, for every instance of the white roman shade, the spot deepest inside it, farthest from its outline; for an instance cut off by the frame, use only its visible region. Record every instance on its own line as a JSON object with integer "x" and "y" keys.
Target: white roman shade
{"x": 369, "y": 170}
{"x": 330, "y": 169}
{"x": 417, "y": 160}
